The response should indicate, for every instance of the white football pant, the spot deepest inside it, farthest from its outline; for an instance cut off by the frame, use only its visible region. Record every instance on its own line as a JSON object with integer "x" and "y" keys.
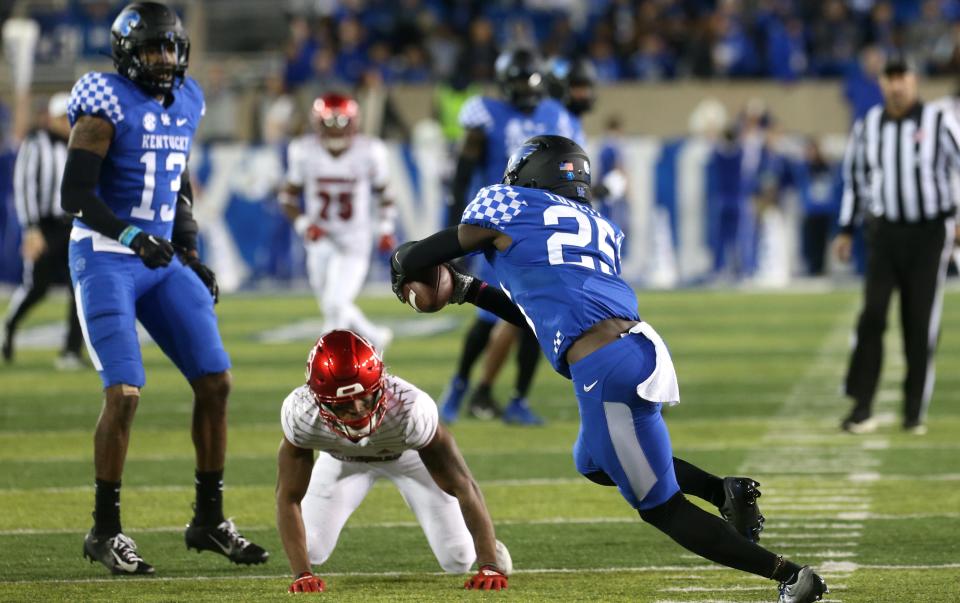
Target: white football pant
{"x": 336, "y": 276}
{"x": 338, "y": 487}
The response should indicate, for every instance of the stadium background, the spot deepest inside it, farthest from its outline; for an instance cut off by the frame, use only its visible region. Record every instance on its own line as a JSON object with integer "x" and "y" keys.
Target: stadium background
{"x": 759, "y": 370}
{"x": 680, "y": 76}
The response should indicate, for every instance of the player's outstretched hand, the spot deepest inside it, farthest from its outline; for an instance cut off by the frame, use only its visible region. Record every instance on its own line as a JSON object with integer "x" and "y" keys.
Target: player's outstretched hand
{"x": 397, "y": 276}
{"x": 488, "y": 578}
{"x": 307, "y": 583}
{"x": 207, "y": 277}
{"x": 153, "y": 251}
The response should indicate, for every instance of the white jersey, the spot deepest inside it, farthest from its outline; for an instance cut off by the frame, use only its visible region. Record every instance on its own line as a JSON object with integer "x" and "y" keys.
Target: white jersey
{"x": 337, "y": 190}
{"x": 410, "y": 423}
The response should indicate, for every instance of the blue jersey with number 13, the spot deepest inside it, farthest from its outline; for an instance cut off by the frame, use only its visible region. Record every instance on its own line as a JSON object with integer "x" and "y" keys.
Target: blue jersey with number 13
{"x": 140, "y": 176}
{"x": 562, "y": 268}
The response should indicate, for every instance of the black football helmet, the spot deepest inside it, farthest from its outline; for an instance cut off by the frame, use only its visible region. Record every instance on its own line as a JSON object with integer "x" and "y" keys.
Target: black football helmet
{"x": 144, "y": 26}
{"x": 520, "y": 78}
{"x": 572, "y": 82}
{"x": 552, "y": 163}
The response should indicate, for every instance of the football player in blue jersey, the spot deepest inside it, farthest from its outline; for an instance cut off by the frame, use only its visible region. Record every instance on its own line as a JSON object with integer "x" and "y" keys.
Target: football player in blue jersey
{"x": 495, "y": 128}
{"x": 556, "y": 262}
{"x": 133, "y": 256}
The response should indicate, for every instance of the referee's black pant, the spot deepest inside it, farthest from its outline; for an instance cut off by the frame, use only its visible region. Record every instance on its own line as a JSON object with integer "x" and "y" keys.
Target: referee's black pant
{"x": 911, "y": 258}
{"x": 51, "y": 267}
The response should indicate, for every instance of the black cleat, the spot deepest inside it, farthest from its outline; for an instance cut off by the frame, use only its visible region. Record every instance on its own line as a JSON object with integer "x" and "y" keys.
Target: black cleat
{"x": 118, "y": 553}
{"x": 482, "y": 406}
{"x": 805, "y": 587}
{"x": 740, "y": 508}
{"x": 226, "y": 540}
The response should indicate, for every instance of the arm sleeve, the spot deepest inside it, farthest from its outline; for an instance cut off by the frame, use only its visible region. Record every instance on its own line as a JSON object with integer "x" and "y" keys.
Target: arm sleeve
{"x": 493, "y": 207}
{"x": 78, "y": 193}
{"x": 497, "y": 302}
{"x": 185, "y": 229}
{"x": 94, "y": 94}
{"x": 852, "y": 201}
{"x": 25, "y": 173}
{"x": 295, "y": 163}
{"x": 950, "y": 137}
{"x": 475, "y": 114}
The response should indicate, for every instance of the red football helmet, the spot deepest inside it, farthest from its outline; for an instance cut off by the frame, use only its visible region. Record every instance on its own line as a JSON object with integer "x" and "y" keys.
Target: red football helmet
{"x": 345, "y": 375}
{"x": 335, "y": 118}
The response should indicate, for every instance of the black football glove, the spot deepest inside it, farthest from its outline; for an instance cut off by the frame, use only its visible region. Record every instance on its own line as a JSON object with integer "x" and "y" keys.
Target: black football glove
{"x": 153, "y": 251}
{"x": 465, "y": 287}
{"x": 397, "y": 275}
{"x": 207, "y": 276}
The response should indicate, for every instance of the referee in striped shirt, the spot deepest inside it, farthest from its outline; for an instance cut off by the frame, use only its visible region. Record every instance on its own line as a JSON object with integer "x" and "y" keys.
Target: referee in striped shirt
{"x": 46, "y": 229}
{"x": 897, "y": 177}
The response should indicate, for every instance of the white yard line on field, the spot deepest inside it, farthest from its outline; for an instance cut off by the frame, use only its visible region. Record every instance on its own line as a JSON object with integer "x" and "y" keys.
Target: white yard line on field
{"x": 845, "y": 565}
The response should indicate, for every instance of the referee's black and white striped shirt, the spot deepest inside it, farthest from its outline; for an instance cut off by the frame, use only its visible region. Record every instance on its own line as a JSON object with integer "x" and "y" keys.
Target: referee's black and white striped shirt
{"x": 899, "y": 169}
{"x": 36, "y": 178}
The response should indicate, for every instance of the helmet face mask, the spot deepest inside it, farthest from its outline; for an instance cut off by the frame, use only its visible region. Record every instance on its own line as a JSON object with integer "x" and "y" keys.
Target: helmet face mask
{"x": 344, "y": 374}
{"x": 335, "y": 117}
{"x": 573, "y": 83}
{"x": 520, "y": 78}
{"x": 150, "y": 47}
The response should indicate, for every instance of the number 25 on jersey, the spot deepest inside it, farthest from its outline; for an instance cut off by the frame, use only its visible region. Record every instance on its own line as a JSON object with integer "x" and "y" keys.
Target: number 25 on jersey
{"x": 602, "y": 249}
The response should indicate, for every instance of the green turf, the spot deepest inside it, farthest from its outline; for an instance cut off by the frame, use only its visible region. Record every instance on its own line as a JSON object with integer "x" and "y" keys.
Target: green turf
{"x": 759, "y": 375}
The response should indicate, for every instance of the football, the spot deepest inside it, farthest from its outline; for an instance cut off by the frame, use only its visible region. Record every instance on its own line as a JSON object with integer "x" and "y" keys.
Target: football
{"x": 430, "y": 290}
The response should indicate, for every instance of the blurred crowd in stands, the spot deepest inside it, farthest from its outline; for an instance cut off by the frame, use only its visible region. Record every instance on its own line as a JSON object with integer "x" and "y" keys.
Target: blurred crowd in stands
{"x": 414, "y": 41}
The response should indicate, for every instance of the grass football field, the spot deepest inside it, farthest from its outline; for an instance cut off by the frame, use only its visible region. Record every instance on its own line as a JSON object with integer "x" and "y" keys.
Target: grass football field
{"x": 759, "y": 378}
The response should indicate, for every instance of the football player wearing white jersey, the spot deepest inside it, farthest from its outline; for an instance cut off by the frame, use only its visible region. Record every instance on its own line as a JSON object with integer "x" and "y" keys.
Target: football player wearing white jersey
{"x": 367, "y": 425}
{"x": 340, "y": 174}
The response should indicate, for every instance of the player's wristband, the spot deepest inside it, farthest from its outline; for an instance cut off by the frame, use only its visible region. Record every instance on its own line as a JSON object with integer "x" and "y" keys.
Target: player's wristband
{"x": 128, "y": 234}
{"x": 301, "y": 224}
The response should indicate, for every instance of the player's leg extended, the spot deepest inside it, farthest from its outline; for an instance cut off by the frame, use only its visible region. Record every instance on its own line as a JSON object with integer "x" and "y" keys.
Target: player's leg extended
{"x": 318, "y": 256}
{"x": 437, "y": 512}
{"x": 104, "y": 290}
{"x": 347, "y": 273}
{"x": 336, "y": 490}
{"x": 528, "y": 357}
{"x": 627, "y": 439}
{"x": 474, "y": 343}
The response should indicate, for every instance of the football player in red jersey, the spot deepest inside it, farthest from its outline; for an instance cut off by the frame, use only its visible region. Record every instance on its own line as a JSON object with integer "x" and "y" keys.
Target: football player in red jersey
{"x": 368, "y": 424}
{"x": 341, "y": 175}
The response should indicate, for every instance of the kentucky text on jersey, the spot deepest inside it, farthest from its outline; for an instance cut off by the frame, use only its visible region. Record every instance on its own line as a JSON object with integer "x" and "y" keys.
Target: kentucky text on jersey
{"x": 166, "y": 142}
{"x": 151, "y": 143}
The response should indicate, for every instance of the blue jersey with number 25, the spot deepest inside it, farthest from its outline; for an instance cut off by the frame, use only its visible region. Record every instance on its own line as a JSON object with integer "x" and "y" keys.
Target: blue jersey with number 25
{"x": 140, "y": 176}
{"x": 562, "y": 268}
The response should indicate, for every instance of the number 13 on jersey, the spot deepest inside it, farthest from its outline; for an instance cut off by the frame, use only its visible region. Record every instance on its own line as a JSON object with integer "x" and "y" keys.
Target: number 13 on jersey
{"x": 176, "y": 162}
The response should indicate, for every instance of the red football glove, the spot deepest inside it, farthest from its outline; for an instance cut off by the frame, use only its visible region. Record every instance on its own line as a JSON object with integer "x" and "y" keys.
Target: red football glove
{"x": 386, "y": 244}
{"x": 307, "y": 583}
{"x": 488, "y": 578}
{"x": 314, "y": 233}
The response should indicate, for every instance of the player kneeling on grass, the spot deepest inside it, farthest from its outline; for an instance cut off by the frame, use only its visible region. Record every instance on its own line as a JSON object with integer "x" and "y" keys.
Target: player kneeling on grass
{"x": 558, "y": 263}
{"x": 368, "y": 425}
